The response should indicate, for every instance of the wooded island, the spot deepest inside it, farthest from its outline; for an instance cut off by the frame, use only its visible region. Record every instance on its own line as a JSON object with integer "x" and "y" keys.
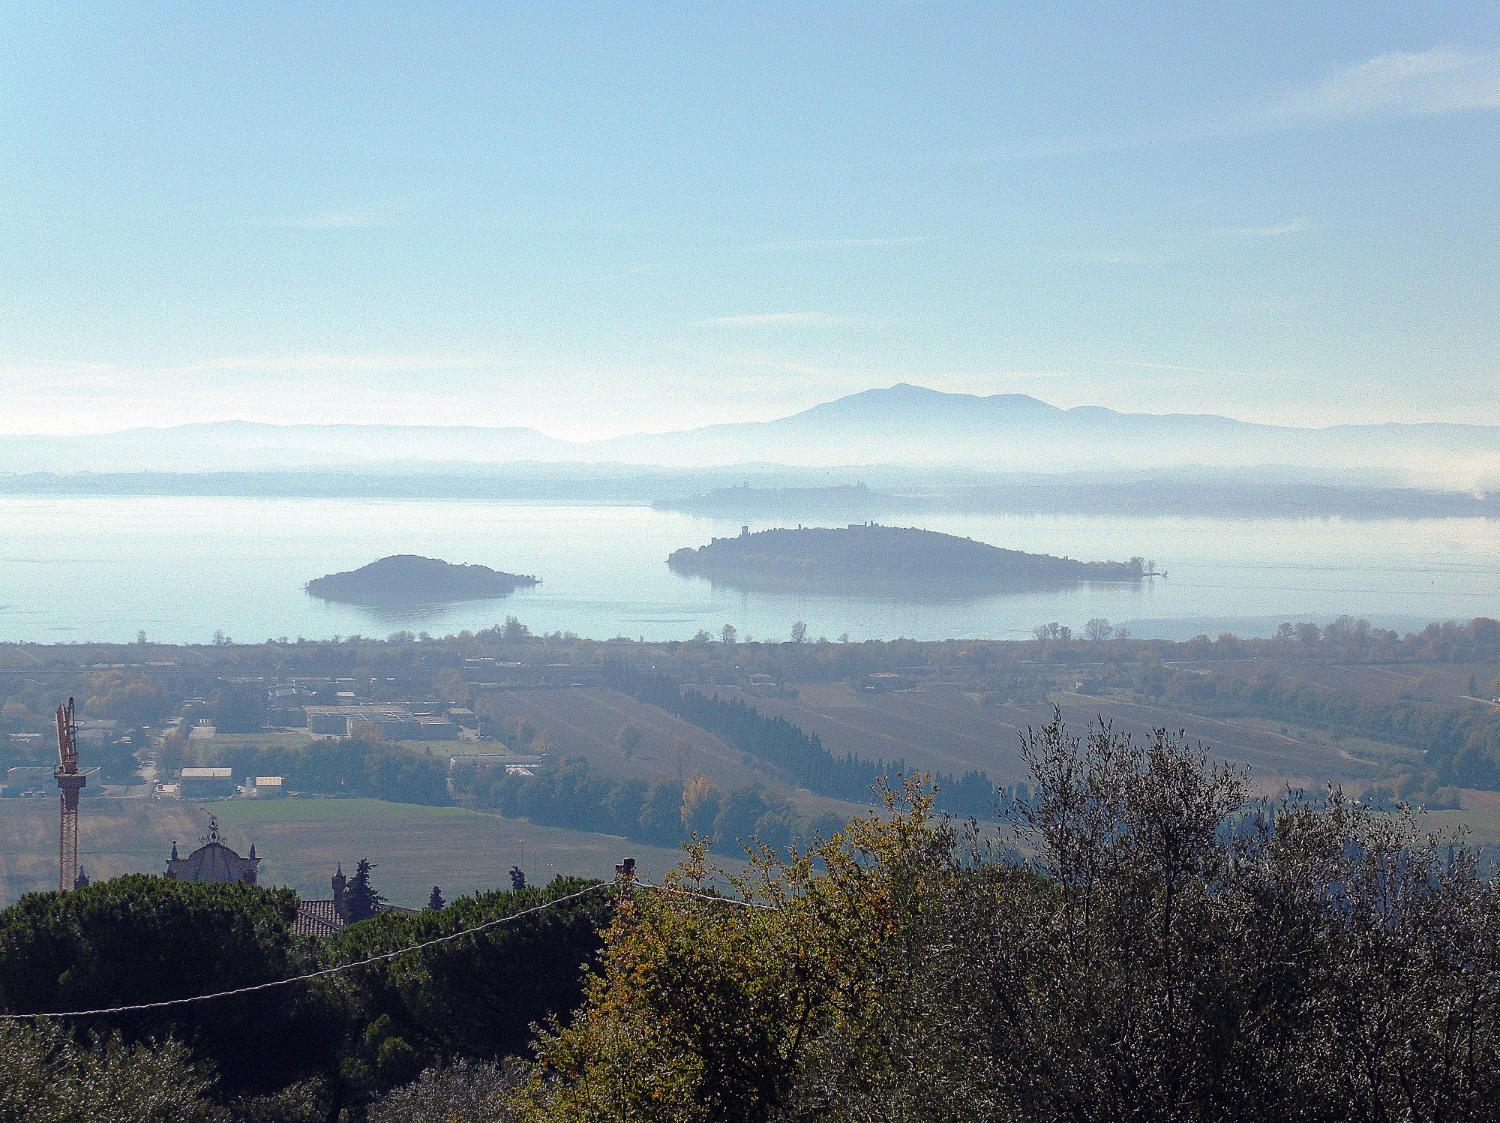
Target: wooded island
{"x": 871, "y": 559}
{"x": 410, "y": 579}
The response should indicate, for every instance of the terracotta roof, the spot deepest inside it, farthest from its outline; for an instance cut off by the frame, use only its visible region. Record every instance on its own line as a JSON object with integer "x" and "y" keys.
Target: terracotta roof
{"x": 318, "y": 918}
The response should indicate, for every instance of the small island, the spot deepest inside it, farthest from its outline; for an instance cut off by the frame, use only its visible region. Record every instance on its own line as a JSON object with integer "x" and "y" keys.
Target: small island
{"x": 867, "y": 559}
{"x": 406, "y": 579}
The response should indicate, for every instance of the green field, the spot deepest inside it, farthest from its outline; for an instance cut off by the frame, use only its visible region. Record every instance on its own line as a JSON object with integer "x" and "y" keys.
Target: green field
{"x": 300, "y": 841}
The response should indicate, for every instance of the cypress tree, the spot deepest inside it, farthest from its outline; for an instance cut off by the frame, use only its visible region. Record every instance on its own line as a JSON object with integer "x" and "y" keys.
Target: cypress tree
{"x": 361, "y": 900}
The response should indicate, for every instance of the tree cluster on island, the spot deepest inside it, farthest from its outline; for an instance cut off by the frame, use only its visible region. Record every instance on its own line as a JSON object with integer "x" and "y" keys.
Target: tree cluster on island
{"x": 872, "y": 559}
{"x": 410, "y": 579}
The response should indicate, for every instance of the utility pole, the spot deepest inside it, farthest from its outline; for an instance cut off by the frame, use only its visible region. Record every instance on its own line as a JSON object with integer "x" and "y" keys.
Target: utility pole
{"x": 70, "y": 782}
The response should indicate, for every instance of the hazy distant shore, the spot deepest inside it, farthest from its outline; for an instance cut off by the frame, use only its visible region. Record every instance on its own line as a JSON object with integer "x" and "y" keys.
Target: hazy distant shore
{"x": 790, "y": 493}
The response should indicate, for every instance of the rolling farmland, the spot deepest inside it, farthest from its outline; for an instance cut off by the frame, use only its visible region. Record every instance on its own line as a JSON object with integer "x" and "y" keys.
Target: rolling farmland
{"x": 301, "y": 839}
{"x": 947, "y": 729}
{"x": 938, "y": 728}
{"x": 585, "y": 721}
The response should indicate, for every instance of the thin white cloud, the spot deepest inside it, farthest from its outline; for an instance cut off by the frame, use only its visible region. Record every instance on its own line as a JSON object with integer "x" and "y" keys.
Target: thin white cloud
{"x": 1400, "y": 83}
{"x": 1394, "y": 84}
{"x": 351, "y": 362}
{"x": 843, "y": 243}
{"x": 98, "y": 376}
{"x": 1276, "y": 230}
{"x": 770, "y": 319}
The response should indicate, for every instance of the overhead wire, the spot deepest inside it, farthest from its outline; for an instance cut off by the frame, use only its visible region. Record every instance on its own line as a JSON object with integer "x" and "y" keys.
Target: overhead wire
{"x": 707, "y": 896}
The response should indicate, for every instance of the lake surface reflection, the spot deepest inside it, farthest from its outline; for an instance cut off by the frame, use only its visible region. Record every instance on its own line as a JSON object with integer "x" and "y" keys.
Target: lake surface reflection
{"x": 180, "y": 569}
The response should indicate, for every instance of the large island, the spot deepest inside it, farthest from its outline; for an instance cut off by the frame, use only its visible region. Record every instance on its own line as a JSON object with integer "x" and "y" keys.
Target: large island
{"x": 406, "y": 579}
{"x": 867, "y": 559}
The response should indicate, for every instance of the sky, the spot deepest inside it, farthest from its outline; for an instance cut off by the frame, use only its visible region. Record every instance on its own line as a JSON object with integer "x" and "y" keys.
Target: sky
{"x": 597, "y": 219}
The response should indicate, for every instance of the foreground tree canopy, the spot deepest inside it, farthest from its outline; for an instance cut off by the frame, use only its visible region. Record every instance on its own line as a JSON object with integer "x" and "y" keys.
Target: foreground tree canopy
{"x": 320, "y": 1050}
{"x": 1174, "y": 951}
{"x": 1150, "y": 943}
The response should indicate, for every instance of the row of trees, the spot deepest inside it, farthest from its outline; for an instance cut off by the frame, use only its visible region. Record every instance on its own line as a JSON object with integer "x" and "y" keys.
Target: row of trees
{"x": 800, "y": 756}
{"x": 663, "y": 812}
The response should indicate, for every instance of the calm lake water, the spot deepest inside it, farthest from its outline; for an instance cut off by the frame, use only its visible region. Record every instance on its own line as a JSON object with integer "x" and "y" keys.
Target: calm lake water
{"x": 182, "y": 568}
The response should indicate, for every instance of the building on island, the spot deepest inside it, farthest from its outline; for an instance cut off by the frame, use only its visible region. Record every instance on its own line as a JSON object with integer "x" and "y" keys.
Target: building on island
{"x": 213, "y": 862}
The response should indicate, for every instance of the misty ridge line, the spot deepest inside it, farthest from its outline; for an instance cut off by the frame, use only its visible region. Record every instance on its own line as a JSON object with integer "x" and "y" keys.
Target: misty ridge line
{"x": 904, "y": 424}
{"x": 895, "y": 391}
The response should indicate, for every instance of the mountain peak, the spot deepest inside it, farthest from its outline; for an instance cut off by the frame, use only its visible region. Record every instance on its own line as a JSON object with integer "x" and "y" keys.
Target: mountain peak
{"x": 908, "y": 394}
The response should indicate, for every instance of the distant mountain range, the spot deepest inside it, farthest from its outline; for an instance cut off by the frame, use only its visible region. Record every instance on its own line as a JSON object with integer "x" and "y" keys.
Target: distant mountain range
{"x": 903, "y": 424}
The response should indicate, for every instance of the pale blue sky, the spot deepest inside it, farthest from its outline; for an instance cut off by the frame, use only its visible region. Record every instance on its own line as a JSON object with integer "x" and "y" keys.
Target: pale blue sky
{"x": 596, "y": 219}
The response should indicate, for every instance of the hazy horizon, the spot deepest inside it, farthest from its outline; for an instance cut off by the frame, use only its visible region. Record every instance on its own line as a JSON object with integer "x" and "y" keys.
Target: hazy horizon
{"x": 396, "y": 423}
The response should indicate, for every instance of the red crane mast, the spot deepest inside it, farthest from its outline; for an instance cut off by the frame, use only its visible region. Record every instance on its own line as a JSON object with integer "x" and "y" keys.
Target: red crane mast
{"x": 70, "y": 782}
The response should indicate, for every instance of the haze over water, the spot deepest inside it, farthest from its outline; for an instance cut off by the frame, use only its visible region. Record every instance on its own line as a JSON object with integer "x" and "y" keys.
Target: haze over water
{"x": 181, "y": 568}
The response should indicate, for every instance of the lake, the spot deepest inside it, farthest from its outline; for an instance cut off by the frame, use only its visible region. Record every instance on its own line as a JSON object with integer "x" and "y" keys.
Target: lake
{"x": 180, "y": 569}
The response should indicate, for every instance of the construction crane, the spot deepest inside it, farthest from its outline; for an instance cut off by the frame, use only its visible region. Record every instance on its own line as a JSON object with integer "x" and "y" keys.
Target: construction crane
{"x": 70, "y": 782}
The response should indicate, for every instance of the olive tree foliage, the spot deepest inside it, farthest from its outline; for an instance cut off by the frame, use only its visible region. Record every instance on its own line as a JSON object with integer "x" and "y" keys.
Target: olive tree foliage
{"x": 1171, "y": 949}
{"x": 46, "y": 1077}
{"x": 462, "y": 1092}
{"x": 712, "y": 1010}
